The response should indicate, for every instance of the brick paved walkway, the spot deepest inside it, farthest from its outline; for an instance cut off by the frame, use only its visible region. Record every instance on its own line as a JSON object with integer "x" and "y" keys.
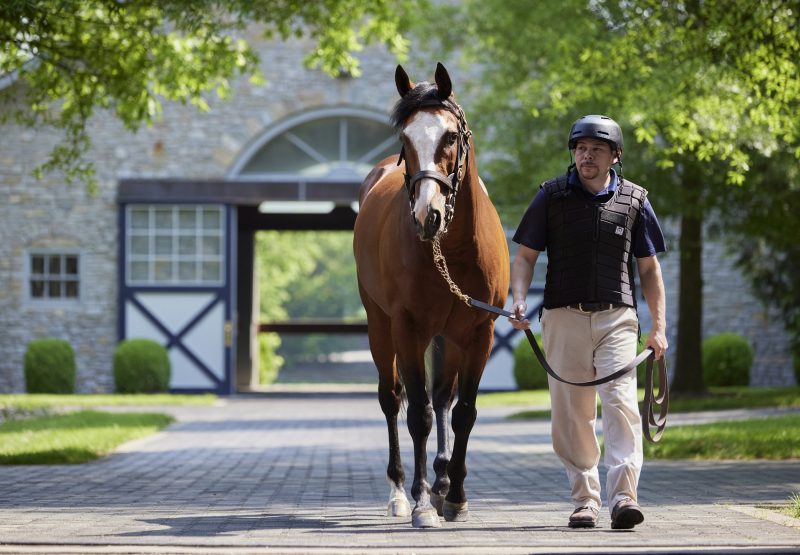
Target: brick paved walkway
{"x": 287, "y": 473}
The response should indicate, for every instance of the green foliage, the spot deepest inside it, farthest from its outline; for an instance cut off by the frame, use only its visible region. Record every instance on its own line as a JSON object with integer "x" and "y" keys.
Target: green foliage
{"x": 270, "y": 361}
{"x": 76, "y": 56}
{"x": 762, "y": 230}
{"x": 73, "y": 438}
{"x": 141, "y": 366}
{"x": 734, "y": 93}
{"x": 727, "y": 358}
{"x": 704, "y": 92}
{"x": 528, "y": 371}
{"x": 49, "y": 366}
{"x": 776, "y": 438}
{"x": 793, "y": 510}
{"x": 305, "y": 274}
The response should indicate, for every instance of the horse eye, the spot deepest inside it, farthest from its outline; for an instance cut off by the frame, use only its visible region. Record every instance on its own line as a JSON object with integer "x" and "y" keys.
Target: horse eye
{"x": 451, "y": 137}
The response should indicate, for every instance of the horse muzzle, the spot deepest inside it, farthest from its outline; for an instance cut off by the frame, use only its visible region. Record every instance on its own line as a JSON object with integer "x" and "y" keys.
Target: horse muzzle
{"x": 431, "y": 227}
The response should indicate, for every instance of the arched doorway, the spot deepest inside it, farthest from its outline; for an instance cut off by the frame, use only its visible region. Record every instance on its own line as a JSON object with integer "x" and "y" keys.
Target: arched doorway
{"x": 327, "y": 153}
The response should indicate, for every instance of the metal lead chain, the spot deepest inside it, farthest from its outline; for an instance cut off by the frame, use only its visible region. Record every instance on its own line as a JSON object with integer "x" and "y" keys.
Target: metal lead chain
{"x": 441, "y": 265}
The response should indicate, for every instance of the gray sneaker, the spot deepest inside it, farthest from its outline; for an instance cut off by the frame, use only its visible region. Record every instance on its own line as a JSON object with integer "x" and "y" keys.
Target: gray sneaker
{"x": 584, "y": 517}
{"x": 626, "y": 514}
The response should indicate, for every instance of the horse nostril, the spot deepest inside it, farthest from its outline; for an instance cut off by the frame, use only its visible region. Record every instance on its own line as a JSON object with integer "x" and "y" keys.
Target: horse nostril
{"x": 433, "y": 221}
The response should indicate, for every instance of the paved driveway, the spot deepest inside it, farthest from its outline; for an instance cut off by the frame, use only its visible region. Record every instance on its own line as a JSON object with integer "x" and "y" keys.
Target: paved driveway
{"x": 304, "y": 473}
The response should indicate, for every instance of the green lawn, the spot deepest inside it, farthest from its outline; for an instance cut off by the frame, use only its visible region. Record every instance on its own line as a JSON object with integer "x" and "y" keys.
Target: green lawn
{"x": 775, "y": 438}
{"x": 763, "y": 438}
{"x": 45, "y": 429}
{"x": 717, "y": 398}
{"x": 35, "y": 402}
{"x": 535, "y": 398}
{"x": 75, "y": 437}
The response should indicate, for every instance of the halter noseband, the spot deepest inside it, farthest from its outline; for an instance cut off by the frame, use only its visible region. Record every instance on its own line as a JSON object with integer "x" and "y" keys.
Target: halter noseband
{"x": 451, "y": 182}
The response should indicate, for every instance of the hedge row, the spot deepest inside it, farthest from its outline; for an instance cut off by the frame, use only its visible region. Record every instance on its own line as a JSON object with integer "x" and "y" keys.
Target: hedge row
{"x": 140, "y": 366}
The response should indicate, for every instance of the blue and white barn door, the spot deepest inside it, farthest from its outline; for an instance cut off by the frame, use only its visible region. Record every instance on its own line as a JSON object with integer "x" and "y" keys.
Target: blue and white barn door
{"x": 177, "y": 288}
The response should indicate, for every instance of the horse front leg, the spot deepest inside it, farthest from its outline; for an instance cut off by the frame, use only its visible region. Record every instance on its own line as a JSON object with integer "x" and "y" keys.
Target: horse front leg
{"x": 419, "y": 415}
{"x": 447, "y": 360}
{"x": 420, "y": 421}
{"x": 390, "y": 393}
{"x": 389, "y": 396}
{"x": 476, "y": 354}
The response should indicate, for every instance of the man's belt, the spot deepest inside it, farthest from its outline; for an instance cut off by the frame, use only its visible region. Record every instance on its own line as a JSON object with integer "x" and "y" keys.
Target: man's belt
{"x": 595, "y": 307}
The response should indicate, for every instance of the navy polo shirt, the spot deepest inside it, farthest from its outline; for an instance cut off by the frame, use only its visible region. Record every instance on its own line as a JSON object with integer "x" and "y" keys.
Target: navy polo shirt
{"x": 647, "y": 240}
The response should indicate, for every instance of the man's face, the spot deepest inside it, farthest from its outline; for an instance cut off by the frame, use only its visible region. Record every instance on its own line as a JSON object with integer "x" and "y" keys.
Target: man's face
{"x": 593, "y": 158}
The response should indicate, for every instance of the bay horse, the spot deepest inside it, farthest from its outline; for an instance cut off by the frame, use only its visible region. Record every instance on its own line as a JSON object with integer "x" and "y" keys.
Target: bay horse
{"x": 437, "y": 199}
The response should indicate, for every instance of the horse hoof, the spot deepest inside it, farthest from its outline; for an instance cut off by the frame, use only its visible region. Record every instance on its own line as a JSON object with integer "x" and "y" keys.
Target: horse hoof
{"x": 425, "y": 519}
{"x": 398, "y": 507}
{"x": 455, "y": 512}
{"x": 438, "y": 502}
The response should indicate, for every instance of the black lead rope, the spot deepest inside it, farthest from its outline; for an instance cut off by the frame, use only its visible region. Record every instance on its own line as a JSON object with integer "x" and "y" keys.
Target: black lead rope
{"x": 650, "y": 398}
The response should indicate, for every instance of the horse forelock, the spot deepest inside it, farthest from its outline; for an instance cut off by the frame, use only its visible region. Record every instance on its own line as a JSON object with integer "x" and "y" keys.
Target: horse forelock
{"x": 424, "y": 94}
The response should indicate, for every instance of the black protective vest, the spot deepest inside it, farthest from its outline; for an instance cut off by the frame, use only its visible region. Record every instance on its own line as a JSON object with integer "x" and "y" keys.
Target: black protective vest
{"x": 589, "y": 256}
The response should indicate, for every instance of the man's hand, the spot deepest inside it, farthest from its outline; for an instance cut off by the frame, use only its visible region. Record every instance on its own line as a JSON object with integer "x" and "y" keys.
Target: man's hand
{"x": 657, "y": 341}
{"x": 519, "y": 321}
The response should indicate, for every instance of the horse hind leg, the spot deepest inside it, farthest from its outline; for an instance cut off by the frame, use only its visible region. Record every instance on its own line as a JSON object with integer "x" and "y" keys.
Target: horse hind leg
{"x": 464, "y": 415}
{"x": 446, "y": 361}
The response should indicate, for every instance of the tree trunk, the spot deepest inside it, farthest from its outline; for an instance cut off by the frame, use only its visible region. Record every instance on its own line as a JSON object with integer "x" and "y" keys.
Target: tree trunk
{"x": 688, "y": 374}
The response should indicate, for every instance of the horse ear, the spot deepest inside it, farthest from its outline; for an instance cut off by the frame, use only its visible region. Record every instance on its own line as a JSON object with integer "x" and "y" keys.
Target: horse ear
{"x": 443, "y": 83}
{"x": 402, "y": 81}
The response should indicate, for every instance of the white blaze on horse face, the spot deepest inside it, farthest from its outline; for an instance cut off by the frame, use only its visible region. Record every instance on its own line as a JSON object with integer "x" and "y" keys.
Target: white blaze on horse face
{"x": 424, "y": 132}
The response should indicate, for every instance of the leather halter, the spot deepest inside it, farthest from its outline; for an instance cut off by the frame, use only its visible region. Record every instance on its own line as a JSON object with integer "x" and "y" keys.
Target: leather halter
{"x": 450, "y": 182}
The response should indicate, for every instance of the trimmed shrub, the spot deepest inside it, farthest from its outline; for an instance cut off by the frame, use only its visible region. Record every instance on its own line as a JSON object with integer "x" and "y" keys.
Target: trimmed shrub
{"x": 528, "y": 372}
{"x": 49, "y": 366}
{"x": 141, "y": 366}
{"x": 727, "y": 358}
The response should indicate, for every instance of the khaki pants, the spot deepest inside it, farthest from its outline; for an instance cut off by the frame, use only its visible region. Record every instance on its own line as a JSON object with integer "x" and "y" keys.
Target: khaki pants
{"x": 582, "y": 347}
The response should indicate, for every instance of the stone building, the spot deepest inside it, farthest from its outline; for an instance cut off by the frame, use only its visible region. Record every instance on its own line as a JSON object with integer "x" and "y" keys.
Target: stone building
{"x": 165, "y": 248}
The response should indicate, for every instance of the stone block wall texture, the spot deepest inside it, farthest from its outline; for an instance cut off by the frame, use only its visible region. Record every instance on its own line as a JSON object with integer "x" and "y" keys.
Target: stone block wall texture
{"x": 189, "y": 144}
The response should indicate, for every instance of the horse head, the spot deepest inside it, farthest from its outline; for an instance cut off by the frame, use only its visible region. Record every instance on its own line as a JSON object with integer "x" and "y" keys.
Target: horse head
{"x": 435, "y": 139}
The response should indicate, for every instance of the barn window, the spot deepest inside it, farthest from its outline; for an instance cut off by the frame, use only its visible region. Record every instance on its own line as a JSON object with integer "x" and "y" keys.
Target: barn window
{"x": 175, "y": 244}
{"x": 54, "y": 276}
{"x": 328, "y": 144}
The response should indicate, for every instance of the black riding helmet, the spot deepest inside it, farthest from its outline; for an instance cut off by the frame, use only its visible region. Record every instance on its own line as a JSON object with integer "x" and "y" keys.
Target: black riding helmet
{"x": 596, "y": 127}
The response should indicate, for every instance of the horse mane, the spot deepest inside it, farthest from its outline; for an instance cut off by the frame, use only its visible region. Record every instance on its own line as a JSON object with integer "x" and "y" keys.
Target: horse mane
{"x": 422, "y": 95}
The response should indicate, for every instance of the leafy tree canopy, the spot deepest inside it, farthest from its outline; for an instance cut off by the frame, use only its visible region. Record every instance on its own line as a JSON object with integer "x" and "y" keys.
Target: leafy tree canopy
{"x": 75, "y": 56}
{"x": 705, "y": 81}
{"x": 705, "y": 91}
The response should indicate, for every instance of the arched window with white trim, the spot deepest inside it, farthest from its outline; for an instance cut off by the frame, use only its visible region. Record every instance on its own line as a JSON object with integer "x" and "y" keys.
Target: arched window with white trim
{"x": 333, "y": 144}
